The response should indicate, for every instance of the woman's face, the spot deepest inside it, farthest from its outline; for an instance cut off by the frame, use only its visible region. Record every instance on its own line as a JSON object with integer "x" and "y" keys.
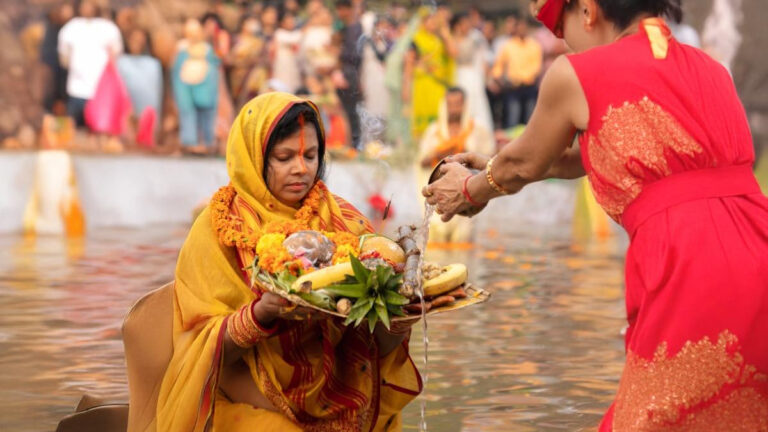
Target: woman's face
{"x": 269, "y": 17}
{"x": 289, "y": 22}
{"x": 137, "y": 42}
{"x": 292, "y": 166}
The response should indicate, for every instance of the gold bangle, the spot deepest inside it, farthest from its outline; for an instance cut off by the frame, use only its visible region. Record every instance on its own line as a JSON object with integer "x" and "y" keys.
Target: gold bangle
{"x": 491, "y": 181}
{"x": 243, "y": 329}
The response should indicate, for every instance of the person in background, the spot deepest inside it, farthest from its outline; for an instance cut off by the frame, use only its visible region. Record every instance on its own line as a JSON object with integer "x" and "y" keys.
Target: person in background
{"x": 398, "y": 130}
{"x": 471, "y": 69}
{"x": 316, "y": 54}
{"x": 507, "y": 31}
{"x": 56, "y": 19}
{"x": 429, "y": 70}
{"x": 216, "y": 34}
{"x": 517, "y": 70}
{"x": 286, "y": 47}
{"x": 551, "y": 47}
{"x": 126, "y": 20}
{"x": 686, "y": 34}
{"x": 248, "y": 62}
{"x": 454, "y": 132}
{"x": 270, "y": 20}
{"x": 375, "y": 46}
{"x": 497, "y": 96}
{"x": 320, "y": 90}
{"x": 476, "y": 18}
{"x": 346, "y": 78}
{"x": 195, "y": 80}
{"x": 86, "y": 43}
{"x": 143, "y": 77}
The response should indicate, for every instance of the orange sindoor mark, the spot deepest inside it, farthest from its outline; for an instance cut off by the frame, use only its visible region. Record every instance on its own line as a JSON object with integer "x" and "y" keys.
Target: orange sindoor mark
{"x": 302, "y": 145}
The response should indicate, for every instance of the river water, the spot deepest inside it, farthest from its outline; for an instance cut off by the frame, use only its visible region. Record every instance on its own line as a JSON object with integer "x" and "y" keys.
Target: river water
{"x": 544, "y": 354}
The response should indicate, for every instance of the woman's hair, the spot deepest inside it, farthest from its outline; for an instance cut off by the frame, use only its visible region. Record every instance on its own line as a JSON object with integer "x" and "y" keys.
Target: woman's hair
{"x": 289, "y": 125}
{"x": 623, "y": 12}
{"x": 212, "y": 16}
{"x": 457, "y": 19}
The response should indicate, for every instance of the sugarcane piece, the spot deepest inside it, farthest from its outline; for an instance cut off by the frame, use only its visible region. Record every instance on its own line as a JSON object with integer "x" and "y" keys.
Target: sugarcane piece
{"x": 411, "y": 277}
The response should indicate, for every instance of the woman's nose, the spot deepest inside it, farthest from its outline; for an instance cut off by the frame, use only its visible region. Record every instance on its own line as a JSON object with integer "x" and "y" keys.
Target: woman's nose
{"x": 299, "y": 166}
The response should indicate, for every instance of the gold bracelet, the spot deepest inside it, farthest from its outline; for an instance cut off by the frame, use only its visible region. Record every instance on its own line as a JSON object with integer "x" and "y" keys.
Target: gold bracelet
{"x": 491, "y": 181}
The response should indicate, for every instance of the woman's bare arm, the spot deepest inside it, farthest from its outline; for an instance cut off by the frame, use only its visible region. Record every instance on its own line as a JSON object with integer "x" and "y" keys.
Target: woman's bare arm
{"x": 542, "y": 150}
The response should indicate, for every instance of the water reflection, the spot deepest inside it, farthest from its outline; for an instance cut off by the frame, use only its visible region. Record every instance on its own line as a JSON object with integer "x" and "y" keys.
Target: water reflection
{"x": 543, "y": 354}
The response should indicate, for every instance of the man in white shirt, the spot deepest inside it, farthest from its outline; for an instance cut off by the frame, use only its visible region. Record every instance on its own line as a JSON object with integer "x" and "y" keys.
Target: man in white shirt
{"x": 85, "y": 45}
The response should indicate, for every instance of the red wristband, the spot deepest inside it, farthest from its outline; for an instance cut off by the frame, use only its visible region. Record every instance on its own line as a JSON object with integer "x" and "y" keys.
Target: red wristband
{"x": 465, "y": 192}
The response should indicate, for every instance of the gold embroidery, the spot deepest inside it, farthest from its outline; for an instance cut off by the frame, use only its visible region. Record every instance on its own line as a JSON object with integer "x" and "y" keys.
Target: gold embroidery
{"x": 704, "y": 387}
{"x": 635, "y": 143}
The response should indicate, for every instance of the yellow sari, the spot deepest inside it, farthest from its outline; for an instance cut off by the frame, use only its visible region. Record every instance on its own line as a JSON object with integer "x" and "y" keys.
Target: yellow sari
{"x": 320, "y": 375}
{"x": 433, "y": 75}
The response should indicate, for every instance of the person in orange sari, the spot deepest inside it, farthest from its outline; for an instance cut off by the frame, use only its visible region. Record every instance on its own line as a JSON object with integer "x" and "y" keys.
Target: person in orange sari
{"x": 245, "y": 359}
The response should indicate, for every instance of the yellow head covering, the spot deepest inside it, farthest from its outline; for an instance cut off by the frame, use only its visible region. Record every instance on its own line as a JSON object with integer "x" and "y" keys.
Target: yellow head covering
{"x": 245, "y": 151}
{"x": 210, "y": 286}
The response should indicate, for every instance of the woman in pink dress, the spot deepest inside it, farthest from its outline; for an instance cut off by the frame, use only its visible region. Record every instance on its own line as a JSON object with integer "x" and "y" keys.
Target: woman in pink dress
{"x": 664, "y": 141}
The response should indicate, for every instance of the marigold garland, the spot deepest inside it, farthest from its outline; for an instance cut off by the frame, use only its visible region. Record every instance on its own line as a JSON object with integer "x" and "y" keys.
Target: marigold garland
{"x": 268, "y": 241}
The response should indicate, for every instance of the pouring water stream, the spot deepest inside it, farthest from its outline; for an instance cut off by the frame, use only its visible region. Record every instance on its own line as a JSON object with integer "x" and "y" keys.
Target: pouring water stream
{"x": 423, "y": 236}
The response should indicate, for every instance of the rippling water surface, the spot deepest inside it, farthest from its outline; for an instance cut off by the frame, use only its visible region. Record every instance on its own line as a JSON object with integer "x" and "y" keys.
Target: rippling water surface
{"x": 543, "y": 354}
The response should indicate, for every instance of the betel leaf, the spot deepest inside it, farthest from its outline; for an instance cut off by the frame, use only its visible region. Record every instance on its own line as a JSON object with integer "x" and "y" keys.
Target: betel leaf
{"x": 355, "y": 291}
{"x": 319, "y": 299}
{"x": 286, "y": 279}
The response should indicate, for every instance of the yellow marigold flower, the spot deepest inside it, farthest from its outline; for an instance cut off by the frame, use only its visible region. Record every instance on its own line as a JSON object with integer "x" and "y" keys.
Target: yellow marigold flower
{"x": 343, "y": 252}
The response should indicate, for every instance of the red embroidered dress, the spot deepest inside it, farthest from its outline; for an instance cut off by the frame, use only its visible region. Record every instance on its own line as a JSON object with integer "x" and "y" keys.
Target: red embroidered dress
{"x": 669, "y": 154}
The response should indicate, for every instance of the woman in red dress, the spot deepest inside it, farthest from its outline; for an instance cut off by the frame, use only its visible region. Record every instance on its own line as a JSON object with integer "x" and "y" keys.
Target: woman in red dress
{"x": 665, "y": 144}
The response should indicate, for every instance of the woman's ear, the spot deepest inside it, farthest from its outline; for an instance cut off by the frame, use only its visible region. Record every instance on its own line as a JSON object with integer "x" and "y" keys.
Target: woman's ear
{"x": 589, "y": 9}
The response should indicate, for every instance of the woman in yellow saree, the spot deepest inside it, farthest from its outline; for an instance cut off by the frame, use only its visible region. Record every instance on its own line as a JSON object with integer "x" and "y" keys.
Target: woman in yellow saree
{"x": 242, "y": 358}
{"x": 433, "y": 70}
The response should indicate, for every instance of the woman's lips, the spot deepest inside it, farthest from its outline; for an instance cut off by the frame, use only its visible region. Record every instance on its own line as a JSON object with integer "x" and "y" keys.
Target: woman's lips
{"x": 297, "y": 186}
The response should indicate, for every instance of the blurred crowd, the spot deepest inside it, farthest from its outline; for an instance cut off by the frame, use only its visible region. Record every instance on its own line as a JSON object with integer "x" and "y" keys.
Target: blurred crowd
{"x": 379, "y": 77}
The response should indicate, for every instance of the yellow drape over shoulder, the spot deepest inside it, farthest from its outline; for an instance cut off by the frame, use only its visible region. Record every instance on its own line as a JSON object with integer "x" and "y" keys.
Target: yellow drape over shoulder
{"x": 320, "y": 375}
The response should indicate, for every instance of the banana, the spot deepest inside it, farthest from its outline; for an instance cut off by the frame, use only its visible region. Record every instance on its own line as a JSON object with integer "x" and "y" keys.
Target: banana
{"x": 451, "y": 276}
{"x": 322, "y": 278}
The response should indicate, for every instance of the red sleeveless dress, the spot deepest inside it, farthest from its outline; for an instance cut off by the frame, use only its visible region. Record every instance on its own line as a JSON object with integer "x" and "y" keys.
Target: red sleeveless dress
{"x": 668, "y": 153}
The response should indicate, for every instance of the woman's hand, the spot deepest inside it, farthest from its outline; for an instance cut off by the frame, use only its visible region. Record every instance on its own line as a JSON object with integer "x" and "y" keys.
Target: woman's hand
{"x": 271, "y": 307}
{"x": 473, "y": 161}
{"x": 446, "y": 193}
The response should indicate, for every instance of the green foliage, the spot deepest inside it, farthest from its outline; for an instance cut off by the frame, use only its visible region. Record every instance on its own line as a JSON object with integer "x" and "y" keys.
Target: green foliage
{"x": 374, "y": 293}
